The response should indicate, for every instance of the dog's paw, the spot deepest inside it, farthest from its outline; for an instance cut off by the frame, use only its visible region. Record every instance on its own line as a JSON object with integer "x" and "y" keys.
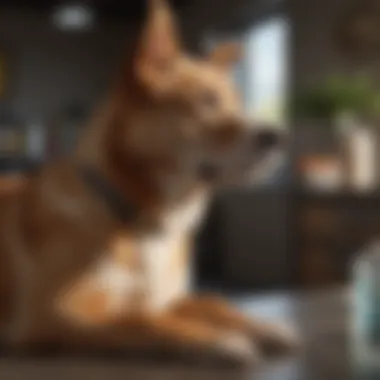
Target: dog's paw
{"x": 235, "y": 349}
{"x": 276, "y": 338}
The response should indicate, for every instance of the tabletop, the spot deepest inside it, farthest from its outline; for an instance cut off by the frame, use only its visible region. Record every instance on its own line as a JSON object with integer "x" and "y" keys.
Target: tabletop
{"x": 321, "y": 319}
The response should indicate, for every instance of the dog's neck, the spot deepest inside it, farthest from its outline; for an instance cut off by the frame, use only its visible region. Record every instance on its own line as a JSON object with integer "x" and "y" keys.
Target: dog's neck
{"x": 149, "y": 183}
{"x": 95, "y": 149}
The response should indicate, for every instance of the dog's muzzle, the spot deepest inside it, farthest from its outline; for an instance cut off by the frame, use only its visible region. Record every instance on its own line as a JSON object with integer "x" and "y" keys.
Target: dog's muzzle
{"x": 265, "y": 139}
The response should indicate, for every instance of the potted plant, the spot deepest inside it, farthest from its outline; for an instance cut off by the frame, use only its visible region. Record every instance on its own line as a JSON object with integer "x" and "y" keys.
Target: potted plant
{"x": 336, "y": 96}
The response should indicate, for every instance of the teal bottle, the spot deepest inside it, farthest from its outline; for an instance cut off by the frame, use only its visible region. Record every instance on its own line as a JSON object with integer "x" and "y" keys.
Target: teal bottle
{"x": 365, "y": 313}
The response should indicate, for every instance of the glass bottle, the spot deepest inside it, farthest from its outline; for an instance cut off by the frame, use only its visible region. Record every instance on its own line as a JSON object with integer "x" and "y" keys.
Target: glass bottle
{"x": 365, "y": 315}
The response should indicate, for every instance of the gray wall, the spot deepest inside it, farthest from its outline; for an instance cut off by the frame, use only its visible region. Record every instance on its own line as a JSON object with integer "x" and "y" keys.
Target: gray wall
{"x": 49, "y": 69}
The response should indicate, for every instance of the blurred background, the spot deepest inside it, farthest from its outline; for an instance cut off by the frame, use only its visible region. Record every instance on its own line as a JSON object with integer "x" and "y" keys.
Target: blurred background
{"x": 309, "y": 67}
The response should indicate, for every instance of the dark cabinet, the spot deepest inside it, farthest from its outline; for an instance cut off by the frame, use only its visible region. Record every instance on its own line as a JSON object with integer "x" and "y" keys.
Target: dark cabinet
{"x": 328, "y": 231}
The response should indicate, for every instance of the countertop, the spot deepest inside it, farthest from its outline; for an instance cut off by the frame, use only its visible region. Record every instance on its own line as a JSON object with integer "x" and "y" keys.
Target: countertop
{"x": 320, "y": 317}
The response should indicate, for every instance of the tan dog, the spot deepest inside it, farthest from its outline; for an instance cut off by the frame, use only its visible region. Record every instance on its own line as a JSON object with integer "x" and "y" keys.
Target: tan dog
{"x": 94, "y": 249}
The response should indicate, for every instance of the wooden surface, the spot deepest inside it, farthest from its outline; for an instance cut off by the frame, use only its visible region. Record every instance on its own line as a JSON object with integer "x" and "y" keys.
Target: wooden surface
{"x": 321, "y": 319}
{"x": 327, "y": 232}
{"x": 10, "y": 183}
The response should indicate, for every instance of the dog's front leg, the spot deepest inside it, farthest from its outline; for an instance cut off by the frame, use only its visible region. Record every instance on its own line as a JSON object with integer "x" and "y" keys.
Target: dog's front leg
{"x": 218, "y": 312}
{"x": 149, "y": 334}
{"x": 168, "y": 332}
{"x": 193, "y": 338}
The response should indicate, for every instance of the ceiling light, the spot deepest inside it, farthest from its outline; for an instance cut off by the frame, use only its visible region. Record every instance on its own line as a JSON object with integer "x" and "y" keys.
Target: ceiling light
{"x": 74, "y": 17}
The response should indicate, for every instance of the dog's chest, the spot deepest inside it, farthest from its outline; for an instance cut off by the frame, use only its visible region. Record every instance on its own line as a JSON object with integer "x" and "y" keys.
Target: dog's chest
{"x": 149, "y": 272}
{"x": 165, "y": 259}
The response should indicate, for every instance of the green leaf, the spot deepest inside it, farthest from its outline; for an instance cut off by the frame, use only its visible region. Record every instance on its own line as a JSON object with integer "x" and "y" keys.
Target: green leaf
{"x": 355, "y": 94}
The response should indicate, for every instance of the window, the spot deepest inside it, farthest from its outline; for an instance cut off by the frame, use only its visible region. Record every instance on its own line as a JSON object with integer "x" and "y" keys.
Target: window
{"x": 265, "y": 71}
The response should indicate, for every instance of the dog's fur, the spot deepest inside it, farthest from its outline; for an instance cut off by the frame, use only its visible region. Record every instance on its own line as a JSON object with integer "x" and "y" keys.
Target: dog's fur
{"x": 72, "y": 274}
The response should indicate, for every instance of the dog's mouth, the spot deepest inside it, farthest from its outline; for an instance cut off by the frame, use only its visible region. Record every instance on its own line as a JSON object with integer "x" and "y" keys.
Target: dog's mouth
{"x": 259, "y": 157}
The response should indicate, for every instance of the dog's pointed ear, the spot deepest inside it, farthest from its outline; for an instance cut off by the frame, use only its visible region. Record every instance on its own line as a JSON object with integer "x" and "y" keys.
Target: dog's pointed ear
{"x": 227, "y": 54}
{"x": 159, "y": 44}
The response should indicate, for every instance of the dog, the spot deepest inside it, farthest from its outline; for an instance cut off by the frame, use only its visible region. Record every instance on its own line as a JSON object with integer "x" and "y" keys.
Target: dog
{"x": 95, "y": 248}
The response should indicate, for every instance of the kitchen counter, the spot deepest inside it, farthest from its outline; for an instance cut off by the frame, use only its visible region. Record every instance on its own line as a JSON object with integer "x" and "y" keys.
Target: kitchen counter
{"x": 321, "y": 319}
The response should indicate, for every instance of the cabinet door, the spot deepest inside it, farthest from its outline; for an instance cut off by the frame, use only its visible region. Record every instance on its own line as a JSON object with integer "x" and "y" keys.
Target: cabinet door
{"x": 255, "y": 239}
{"x": 318, "y": 267}
{"x": 321, "y": 232}
{"x": 330, "y": 236}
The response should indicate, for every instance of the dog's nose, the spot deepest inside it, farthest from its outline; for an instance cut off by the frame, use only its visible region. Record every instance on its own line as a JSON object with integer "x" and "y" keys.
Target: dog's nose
{"x": 266, "y": 138}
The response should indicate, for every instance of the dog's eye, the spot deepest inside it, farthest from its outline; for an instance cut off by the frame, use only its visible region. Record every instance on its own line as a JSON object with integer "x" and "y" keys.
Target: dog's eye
{"x": 210, "y": 100}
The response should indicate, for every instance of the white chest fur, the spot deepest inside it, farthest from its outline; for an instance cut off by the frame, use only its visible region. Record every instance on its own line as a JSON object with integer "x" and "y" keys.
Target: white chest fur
{"x": 163, "y": 272}
{"x": 167, "y": 266}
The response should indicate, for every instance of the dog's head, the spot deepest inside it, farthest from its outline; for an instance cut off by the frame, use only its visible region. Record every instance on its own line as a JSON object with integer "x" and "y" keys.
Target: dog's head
{"x": 187, "y": 115}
